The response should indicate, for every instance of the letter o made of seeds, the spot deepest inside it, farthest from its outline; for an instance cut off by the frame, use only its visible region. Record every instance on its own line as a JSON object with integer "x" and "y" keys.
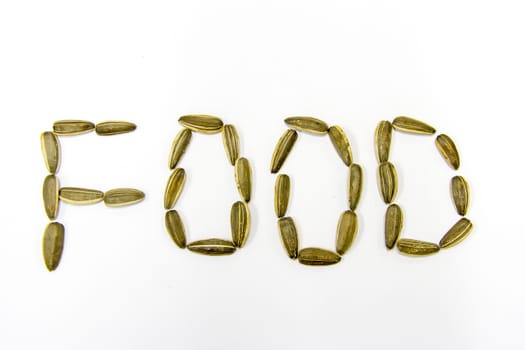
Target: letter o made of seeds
{"x": 387, "y": 182}
{"x": 239, "y": 214}
{"x": 348, "y": 222}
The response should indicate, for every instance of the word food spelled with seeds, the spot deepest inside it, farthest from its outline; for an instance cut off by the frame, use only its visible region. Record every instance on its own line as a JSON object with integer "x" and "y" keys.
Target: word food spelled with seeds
{"x": 347, "y": 227}
{"x": 239, "y": 214}
{"x": 387, "y": 179}
{"x": 53, "y": 194}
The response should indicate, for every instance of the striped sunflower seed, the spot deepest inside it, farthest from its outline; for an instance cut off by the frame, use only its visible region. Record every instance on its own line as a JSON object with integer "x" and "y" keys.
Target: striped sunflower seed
{"x": 50, "y": 151}
{"x": 212, "y": 246}
{"x": 393, "y": 225}
{"x": 243, "y": 178}
{"x": 307, "y": 124}
{"x": 346, "y": 230}
{"x": 120, "y": 197}
{"x": 282, "y": 149}
{"x": 206, "y": 124}
{"x": 448, "y": 150}
{"x": 412, "y": 126}
{"x": 459, "y": 189}
{"x": 341, "y": 144}
{"x": 457, "y": 233}
{"x": 114, "y": 128}
{"x": 355, "y": 185}
{"x": 383, "y": 139}
{"x": 174, "y": 188}
{"x": 240, "y": 223}
{"x": 175, "y": 228}
{"x": 53, "y": 244}
{"x": 282, "y": 195}
{"x": 414, "y": 247}
{"x": 387, "y": 177}
{"x": 180, "y": 143}
{"x": 318, "y": 257}
{"x": 289, "y": 236}
{"x": 75, "y": 195}
{"x": 50, "y": 195}
{"x": 72, "y": 127}
{"x": 230, "y": 138}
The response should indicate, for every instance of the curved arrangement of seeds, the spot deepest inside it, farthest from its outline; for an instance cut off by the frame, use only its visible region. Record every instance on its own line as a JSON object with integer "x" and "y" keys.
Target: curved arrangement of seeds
{"x": 239, "y": 214}
{"x": 347, "y": 227}
{"x": 53, "y": 194}
{"x": 387, "y": 179}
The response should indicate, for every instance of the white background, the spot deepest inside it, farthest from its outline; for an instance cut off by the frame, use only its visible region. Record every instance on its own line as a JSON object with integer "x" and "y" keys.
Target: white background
{"x": 122, "y": 283}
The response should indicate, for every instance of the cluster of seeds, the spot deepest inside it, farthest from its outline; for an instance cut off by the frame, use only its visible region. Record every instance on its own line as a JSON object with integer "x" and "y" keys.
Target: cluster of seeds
{"x": 240, "y": 213}
{"x": 347, "y": 227}
{"x": 53, "y": 194}
{"x": 387, "y": 179}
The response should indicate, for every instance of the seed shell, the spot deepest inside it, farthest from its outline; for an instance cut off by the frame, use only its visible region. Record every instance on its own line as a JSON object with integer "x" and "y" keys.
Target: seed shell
{"x": 318, "y": 257}
{"x": 206, "y": 124}
{"x": 383, "y": 139}
{"x": 412, "y": 126}
{"x": 75, "y": 195}
{"x": 180, "y": 143}
{"x": 459, "y": 189}
{"x": 120, "y": 197}
{"x": 355, "y": 185}
{"x": 72, "y": 127}
{"x": 346, "y": 231}
{"x": 114, "y": 128}
{"x": 307, "y": 124}
{"x": 387, "y": 176}
{"x": 414, "y": 247}
{"x": 50, "y": 195}
{"x": 289, "y": 236}
{"x": 212, "y": 246}
{"x": 50, "y": 151}
{"x": 457, "y": 233}
{"x": 175, "y": 228}
{"x": 53, "y": 245}
{"x": 282, "y": 194}
{"x": 448, "y": 150}
{"x": 393, "y": 225}
{"x": 174, "y": 187}
{"x": 282, "y": 149}
{"x": 243, "y": 178}
{"x": 240, "y": 223}
{"x": 341, "y": 144}
{"x": 230, "y": 138}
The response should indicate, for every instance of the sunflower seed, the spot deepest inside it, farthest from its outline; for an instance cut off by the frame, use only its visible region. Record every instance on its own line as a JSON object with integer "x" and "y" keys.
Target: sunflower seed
{"x": 53, "y": 244}
{"x": 76, "y": 195}
{"x": 346, "y": 230}
{"x": 174, "y": 188}
{"x": 289, "y": 236}
{"x": 50, "y": 196}
{"x": 175, "y": 228}
{"x": 393, "y": 225}
{"x": 120, "y": 197}
{"x": 180, "y": 143}
{"x": 448, "y": 150}
{"x": 240, "y": 223}
{"x": 341, "y": 144}
{"x": 387, "y": 177}
{"x": 460, "y": 194}
{"x": 318, "y": 257}
{"x": 355, "y": 184}
{"x": 282, "y": 195}
{"x": 307, "y": 124}
{"x": 50, "y": 150}
{"x": 72, "y": 127}
{"x": 212, "y": 246}
{"x": 383, "y": 138}
{"x": 416, "y": 248}
{"x": 282, "y": 149}
{"x": 202, "y": 123}
{"x": 230, "y": 138}
{"x": 243, "y": 178}
{"x": 412, "y": 125}
{"x": 457, "y": 233}
{"x": 114, "y": 128}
